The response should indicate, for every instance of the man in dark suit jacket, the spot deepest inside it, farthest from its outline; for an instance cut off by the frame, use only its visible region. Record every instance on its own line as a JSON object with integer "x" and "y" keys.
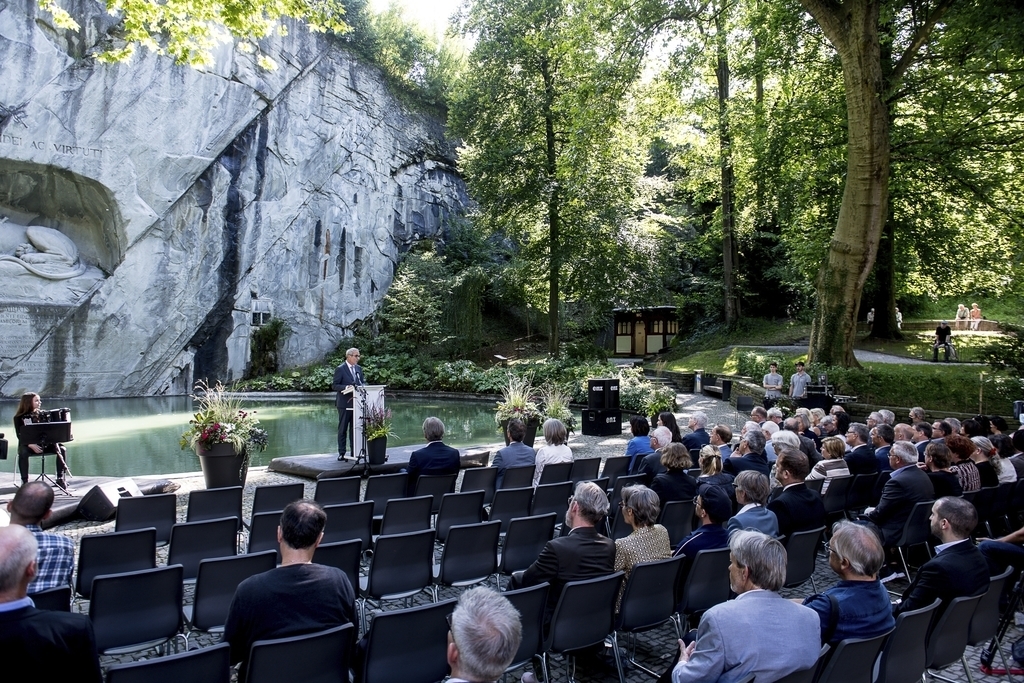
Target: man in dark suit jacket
{"x": 436, "y": 457}
{"x": 860, "y": 460}
{"x": 797, "y": 507}
{"x": 55, "y": 646}
{"x": 698, "y": 437}
{"x": 907, "y": 486}
{"x": 346, "y": 375}
{"x": 958, "y": 568}
{"x": 749, "y": 455}
{"x": 516, "y": 453}
{"x": 582, "y": 554}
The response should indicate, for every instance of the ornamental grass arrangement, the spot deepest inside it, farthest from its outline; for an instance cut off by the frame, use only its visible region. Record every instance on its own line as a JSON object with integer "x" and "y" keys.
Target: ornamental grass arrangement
{"x": 377, "y": 422}
{"x": 221, "y": 419}
{"x": 518, "y": 401}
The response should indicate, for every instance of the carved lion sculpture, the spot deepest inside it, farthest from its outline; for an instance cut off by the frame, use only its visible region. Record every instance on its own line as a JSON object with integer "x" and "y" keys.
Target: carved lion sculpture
{"x": 41, "y": 251}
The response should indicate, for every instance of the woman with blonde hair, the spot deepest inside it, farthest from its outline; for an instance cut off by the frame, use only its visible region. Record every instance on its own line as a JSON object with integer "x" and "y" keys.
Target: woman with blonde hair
{"x": 711, "y": 470}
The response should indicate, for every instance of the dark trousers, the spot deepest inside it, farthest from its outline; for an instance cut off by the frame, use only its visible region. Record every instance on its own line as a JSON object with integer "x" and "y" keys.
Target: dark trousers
{"x": 24, "y": 454}
{"x": 345, "y": 428}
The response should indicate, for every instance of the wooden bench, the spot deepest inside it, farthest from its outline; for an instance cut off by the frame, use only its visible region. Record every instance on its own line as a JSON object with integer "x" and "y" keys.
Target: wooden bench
{"x": 719, "y": 387}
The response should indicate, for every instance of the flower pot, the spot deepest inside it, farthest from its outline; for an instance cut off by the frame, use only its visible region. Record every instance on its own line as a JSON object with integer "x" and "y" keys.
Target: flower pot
{"x": 377, "y": 450}
{"x": 531, "y": 431}
{"x": 222, "y": 465}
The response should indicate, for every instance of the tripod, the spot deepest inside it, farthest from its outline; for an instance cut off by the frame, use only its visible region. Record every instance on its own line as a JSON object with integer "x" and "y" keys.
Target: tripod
{"x": 1005, "y": 621}
{"x": 59, "y": 483}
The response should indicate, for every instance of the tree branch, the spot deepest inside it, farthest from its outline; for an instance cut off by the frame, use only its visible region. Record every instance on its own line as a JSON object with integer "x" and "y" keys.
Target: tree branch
{"x": 919, "y": 39}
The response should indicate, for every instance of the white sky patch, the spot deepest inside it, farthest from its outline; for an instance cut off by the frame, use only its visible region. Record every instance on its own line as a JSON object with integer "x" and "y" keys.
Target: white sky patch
{"x": 431, "y": 14}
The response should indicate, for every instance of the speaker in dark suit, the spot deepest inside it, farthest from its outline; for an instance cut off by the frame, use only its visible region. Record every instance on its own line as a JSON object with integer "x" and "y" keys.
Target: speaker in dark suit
{"x": 346, "y": 375}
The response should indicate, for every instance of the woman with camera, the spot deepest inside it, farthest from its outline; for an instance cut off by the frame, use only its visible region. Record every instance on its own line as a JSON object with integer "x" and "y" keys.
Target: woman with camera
{"x": 29, "y": 410}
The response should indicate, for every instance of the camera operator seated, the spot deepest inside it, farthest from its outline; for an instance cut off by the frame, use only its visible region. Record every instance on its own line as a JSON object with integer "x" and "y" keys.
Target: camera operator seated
{"x": 942, "y": 341}
{"x": 29, "y": 409}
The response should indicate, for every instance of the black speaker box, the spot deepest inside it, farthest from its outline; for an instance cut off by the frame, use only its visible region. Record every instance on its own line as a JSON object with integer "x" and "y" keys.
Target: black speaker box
{"x": 602, "y": 422}
{"x": 100, "y": 504}
{"x": 603, "y": 394}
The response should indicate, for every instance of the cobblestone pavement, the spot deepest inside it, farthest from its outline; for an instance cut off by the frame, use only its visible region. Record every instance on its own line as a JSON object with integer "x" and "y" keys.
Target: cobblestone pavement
{"x": 654, "y": 649}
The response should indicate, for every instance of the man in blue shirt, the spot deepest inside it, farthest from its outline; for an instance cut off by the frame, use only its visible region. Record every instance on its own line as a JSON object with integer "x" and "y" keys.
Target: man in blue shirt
{"x": 861, "y": 602}
{"x": 714, "y": 508}
{"x": 56, "y": 558}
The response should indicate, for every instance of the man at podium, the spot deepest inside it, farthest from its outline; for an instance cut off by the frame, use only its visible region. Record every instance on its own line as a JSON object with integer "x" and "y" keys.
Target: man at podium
{"x": 346, "y": 376}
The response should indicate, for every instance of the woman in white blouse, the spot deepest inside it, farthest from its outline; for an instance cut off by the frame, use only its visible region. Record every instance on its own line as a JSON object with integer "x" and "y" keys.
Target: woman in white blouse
{"x": 555, "y": 450}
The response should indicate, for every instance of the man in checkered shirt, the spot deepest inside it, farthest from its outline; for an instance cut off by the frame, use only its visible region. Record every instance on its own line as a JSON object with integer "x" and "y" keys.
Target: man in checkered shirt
{"x": 56, "y": 559}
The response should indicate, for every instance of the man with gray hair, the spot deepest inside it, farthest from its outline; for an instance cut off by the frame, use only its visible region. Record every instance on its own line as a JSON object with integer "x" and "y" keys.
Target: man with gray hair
{"x": 749, "y": 455}
{"x": 888, "y": 417}
{"x": 907, "y": 486}
{"x": 699, "y": 437}
{"x": 756, "y": 572}
{"x": 769, "y": 429}
{"x": 752, "y": 489}
{"x": 57, "y": 646}
{"x": 435, "y": 458}
{"x": 581, "y": 554}
{"x": 347, "y": 376}
{"x": 776, "y": 415}
{"x": 861, "y": 458}
{"x": 484, "y": 635}
{"x": 650, "y": 465}
{"x": 864, "y": 610}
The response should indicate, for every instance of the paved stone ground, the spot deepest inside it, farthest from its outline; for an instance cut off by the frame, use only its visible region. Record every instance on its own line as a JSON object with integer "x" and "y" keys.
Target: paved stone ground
{"x": 654, "y": 649}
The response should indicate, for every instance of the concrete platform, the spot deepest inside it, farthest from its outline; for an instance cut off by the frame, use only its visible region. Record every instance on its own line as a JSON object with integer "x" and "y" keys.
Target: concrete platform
{"x": 327, "y": 464}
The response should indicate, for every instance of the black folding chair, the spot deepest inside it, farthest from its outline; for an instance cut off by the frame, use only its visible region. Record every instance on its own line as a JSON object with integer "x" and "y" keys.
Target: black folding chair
{"x": 136, "y": 610}
{"x": 509, "y": 504}
{"x": 530, "y": 603}
{"x": 158, "y": 511}
{"x": 320, "y": 657}
{"x": 647, "y": 603}
{"x": 349, "y": 521}
{"x": 480, "y": 479}
{"x": 583, "y": 617}
{"x": 392, "y": 655}
{"x": 207, "y": 665}
{"x": 113, "y": 553}
{"x": 435, "y": 486}
{"x": 470, "y": 556}
{"x": 525, "y": 538}
{"x": 585, "y": 469}
{"x": 337, "y": 490}
{"x": 380, "y": 488}
{"x": 216, "y": 582}
{"x": 555, "y": 473}
{"x": 276, "y": 497}
{"x": 904, "y": 654}
{"x": 205, "y": 504}
{"x": 344, "y": 555}
{"x": 518, "y": 477}
{"x": 458, "y": 508}
{"x": 193, "y": 542}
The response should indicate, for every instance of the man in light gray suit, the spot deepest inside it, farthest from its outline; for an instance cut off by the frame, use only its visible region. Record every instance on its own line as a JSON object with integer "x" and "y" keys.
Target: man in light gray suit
{"x": 752, "y": 489}
{"x": 516, "y": 453}
{"x": 724, "y": 651}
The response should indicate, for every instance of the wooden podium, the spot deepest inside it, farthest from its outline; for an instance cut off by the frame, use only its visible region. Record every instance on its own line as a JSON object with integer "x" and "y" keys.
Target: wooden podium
{"x": 365, "y": 397}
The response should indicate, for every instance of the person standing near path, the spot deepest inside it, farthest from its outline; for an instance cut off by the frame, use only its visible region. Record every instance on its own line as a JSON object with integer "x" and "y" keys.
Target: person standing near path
{"x": 347, "y": 375}
{"x": 798, "y": 382}
{"x": 772, "y": 384}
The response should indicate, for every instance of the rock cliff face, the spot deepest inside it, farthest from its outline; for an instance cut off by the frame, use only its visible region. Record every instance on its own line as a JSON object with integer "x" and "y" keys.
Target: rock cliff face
{"x": 199, "y": 202}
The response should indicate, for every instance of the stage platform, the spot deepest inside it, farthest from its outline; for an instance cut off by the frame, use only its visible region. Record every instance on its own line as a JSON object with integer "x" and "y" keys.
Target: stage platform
{"x": 327, "y": 464}
{"x": 65, "y": 507}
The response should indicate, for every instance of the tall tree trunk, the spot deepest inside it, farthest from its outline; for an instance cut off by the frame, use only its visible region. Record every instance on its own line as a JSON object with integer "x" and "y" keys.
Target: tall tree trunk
{"x": 885, "y": 326}
{"x": 554, "y": 238}
{"x": 853, "y": 31}
{"x": 730, "y": 252}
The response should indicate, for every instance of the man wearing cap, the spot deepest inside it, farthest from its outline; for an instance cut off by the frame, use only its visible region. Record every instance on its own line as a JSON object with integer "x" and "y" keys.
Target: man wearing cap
{"x": 942, "y": 337}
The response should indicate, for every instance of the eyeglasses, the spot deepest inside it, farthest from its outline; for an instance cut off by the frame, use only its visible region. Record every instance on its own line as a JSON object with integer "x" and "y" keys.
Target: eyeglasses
{"x": 451, "y": 629}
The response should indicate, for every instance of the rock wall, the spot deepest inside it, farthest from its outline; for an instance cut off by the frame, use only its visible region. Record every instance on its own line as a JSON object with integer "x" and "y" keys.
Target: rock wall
{"x": 198, "y": 201}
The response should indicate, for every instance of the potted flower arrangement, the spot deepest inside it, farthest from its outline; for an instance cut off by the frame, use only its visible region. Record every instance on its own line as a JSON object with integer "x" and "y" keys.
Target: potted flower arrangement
{"x": 377, "y": 425}
{"x": 222, "y": 434}
{"x": 556, "y": 405}
{"x": 518, "y": 400}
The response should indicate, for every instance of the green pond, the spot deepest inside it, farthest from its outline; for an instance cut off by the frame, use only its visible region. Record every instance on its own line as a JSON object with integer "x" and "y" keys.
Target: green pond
{"x": 122, "y": 437}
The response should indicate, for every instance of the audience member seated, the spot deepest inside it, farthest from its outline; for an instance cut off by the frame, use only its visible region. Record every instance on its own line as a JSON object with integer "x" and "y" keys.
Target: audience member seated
{"x": 50, "y": 645}
{"x": 721, "y": 438}
{"x": 516, "y": 453}
{"x": 817, "y": 415}
{"x": 804, "y": 417}
{"x": 1011, "y": 450}
{"x": 436, "y": 457}
{"x": 749, "y": 455}
{"x": 827, "y": 427}
{"x": 484, "y": 635}
{"x": 554, "y": 451}
{"x": 668, "y": 420}
{"x": 806, "y": 445}
{"x": 758, "y": 414}
{"x": 713, "y": 507}
{"x": 583, "y": 553}
{"x": 769, "y": 429}
{"x": 963, "y": 467}
{"x": 882, "y": 438}
{"x": 711, "y": 470}
{"x": 907, "y": 486}
{"x": 698, "y": 437}
{"x": 727, "y": 646}
{"x": 782, "y": 439}
{"x": 958, "y": 568}
{"x": 861, "y": 458}
{"x": 936, "y": 464}
{"x": 648, "y": 541}
{"x": 943, "y": 429}
{"x": 650, "y": 465}
{"x": 797, "y": 507}
{"x": 858, "y": 606}
{"x": 752, "y": 490}
{"x": 675, "y": 483}
{"x": 296, "y": 598}
{"x": 640, "y": 444}
{"x": 55, "y": 559}
{"x": 922, "y": 437}
{"x": 1003, "y": 552}
{"x": 975, "y": 426}
{"x": 833, "y": 463}
{"x": 776, "y": 415}
{"x": 990, "y": 464}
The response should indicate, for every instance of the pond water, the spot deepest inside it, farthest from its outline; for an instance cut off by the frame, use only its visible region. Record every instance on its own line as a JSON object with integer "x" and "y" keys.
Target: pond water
{"x": 122, "y": 437}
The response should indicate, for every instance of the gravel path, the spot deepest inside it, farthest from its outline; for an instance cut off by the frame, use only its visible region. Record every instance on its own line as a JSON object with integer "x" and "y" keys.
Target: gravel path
{"x": 861, "y": 355}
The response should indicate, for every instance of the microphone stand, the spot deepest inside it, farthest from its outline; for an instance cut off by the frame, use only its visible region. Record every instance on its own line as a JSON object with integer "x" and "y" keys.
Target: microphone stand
{"x": 362, "y": 457}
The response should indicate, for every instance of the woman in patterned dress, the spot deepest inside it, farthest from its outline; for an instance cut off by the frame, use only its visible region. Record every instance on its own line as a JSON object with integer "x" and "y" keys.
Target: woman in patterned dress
{"x": 648, "y": 541}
